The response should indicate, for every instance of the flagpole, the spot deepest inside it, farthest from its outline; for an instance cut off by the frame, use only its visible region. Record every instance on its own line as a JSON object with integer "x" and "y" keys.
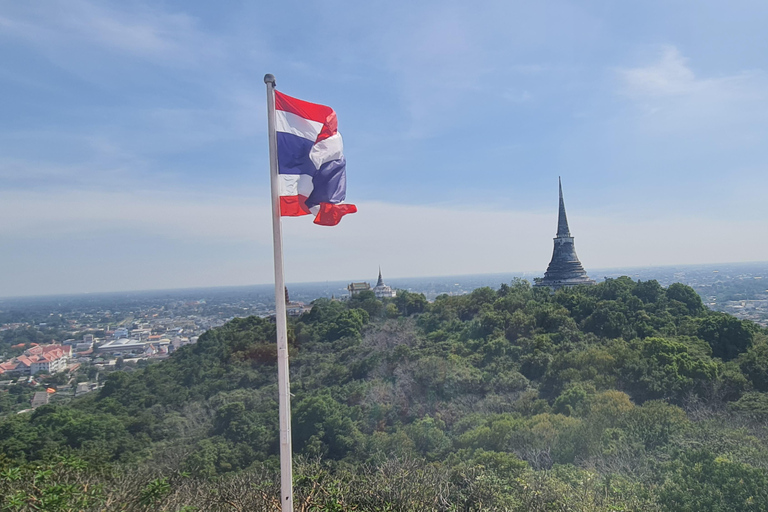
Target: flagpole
{"x": 283, "y": 384}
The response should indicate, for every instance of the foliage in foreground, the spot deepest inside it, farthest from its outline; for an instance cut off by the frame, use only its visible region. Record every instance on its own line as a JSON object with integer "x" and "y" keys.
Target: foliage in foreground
{"x": 620, "y": 396}
{"x": 394, "y": 485}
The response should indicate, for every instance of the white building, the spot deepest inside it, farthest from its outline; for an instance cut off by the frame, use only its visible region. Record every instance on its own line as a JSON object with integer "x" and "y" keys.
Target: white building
{"x": 383, "y": 291}
{"x": 127, "y": 346}
{"x": 44, "y": 358}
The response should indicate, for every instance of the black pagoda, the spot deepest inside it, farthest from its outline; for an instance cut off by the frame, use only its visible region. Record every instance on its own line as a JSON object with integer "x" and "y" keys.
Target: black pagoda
{"x": 565, "y": 268}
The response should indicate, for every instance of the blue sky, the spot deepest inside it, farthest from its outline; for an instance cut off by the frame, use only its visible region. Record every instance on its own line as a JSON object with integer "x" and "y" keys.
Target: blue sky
{"x": 133, "y": 137}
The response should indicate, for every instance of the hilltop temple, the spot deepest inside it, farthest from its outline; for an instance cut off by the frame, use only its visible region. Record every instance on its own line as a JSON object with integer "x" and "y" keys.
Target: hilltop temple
{"x": 382, "y": 290}
{"x": 565, "y": 268}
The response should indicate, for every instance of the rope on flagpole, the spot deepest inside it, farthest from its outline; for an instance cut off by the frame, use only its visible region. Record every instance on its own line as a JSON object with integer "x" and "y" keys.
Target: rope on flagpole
{"x": 283, "y": 384}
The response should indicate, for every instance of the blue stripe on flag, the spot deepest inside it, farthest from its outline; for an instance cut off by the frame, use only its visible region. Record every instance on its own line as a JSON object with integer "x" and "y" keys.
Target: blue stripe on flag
{"x": 293, "y": 154}
{"x": 330, "y": 183}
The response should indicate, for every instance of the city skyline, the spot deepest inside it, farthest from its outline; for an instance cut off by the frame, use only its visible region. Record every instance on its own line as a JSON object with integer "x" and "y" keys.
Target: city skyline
{"x": 134, "y": 141}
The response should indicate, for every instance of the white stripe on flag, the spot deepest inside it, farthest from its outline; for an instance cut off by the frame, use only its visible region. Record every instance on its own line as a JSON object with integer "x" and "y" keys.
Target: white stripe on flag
{"x": 306, "y": 186}
{"x": 288, "y": 184}
{"x": 295, "y": 184}
{"x": 291, "y": 123}
{"x": 327, "y": 150}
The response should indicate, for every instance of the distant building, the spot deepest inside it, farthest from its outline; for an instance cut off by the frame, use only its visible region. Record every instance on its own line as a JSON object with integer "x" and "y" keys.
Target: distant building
{"x": 85, "y": 345}
{"x": 178, "y": 342}
{"x": 355, "y": 288}
{"x": 40, "y": 398}
{"x": 85, "y": 387}
{"x": 297, "y": 308}
{"x": 8, "y": 367}
{"x": 140, "y": 334}
{"x": 39, "y": 358}
{"x": 383, "y": 291}
{"x": 126, "y": 346}
{"x": 294, "y": 308}
{"x": 565, "y": 268}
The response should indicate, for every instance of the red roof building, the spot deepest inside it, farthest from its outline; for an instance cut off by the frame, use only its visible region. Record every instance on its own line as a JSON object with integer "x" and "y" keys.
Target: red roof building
{"x": 49, "y": 358}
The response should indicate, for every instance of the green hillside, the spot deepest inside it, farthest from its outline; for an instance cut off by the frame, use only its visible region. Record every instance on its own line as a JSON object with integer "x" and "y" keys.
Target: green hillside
{"x": 620, "y": 396}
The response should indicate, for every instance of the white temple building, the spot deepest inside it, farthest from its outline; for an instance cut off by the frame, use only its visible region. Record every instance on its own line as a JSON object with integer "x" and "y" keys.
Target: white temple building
{"x": 383, "y": 291}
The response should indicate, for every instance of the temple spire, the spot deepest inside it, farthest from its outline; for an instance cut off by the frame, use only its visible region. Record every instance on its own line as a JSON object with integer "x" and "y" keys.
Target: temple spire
{"x": 565, "y": 268}
{"x": 562, "y": 220}
{"x": 381, "y": 290}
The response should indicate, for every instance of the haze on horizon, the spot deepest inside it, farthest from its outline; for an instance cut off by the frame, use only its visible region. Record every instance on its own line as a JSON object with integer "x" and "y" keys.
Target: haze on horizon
{"x": 133, "y": 140}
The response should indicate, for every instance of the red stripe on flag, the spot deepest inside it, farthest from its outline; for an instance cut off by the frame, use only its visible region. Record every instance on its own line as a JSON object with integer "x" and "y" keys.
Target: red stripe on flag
{"x": 311, "y": 111}
{"x": 293, "y": 206}
{"x": 331, "y": 214}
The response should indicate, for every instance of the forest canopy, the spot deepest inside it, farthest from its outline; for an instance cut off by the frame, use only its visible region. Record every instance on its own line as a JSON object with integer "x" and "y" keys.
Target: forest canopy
{"x": 635, "y": 395}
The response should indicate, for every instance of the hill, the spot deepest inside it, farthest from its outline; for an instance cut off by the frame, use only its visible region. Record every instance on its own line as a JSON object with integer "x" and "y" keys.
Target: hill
{"x": 620, "y": 396}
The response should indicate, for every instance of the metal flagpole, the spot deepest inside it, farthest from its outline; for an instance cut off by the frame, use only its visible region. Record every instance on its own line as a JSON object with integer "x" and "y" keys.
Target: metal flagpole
{"x": 283, "y": 384}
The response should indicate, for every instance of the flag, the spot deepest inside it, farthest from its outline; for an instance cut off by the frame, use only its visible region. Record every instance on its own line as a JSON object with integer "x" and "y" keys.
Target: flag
{"x": 310, "y": 161}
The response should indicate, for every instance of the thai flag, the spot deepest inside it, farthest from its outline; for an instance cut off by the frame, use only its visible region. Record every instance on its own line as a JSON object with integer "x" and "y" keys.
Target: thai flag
{"x": 311, "y": 164}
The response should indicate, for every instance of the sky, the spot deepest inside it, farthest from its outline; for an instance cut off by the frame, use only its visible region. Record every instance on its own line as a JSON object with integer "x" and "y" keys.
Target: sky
{"x": 133, "y": 141}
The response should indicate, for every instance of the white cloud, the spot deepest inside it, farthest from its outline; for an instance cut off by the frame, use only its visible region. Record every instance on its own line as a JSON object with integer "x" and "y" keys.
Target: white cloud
{"x": 450, "y": 59}
{"x": 154, "y": 113}
{"x": 438, "y": 63}
{"x": 172, "y": 214}
{"x": 58, "y": 27}
{"x": 668, "y": 76}
{"x": 672, "y": 77}
{"x": 684, "y": 112}
{"x": 668, "y": 239}
{"x": 146, "y": 32}
{"x": 225, "y": 238}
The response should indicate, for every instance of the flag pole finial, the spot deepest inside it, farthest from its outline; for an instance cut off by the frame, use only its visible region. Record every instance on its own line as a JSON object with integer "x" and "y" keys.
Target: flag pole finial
{"x": 270, "y": 79}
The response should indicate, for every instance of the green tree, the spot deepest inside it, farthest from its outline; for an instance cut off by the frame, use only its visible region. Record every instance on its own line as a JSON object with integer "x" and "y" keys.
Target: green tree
{"x": 699, "y": 481}
{"x": 752, "y": 404}
{"x": 348, "y": 324}
{"x": 649, "y": 292}
{"x": 728, "y": 336}
{"x": 367, "y": 301}
{"x": 654, "y": 423}
{"x": 687, "y": 296}
{"x": 323, "y": 426}
{"x": 754, "y": 364}
{"x": 410, "y": 303}
{"x": 429, "y": 438}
